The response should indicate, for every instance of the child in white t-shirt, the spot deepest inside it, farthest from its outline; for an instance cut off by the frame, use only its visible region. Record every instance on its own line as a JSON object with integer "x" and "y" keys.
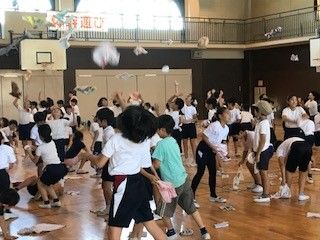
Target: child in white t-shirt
{"x": 125, "y": 152}
{"x": 262, "y": 147}
{"x": 293, "y": 153}
{"x": 59, "y": 128}
{"x": 53, "y": 170}
{"x": 76, "y": 110}
{"x": 234, "y": 123}
{"x": 246, "y": 122}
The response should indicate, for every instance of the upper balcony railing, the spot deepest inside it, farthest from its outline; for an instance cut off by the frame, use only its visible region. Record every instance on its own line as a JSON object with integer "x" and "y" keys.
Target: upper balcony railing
{"x": 297, "y": 23}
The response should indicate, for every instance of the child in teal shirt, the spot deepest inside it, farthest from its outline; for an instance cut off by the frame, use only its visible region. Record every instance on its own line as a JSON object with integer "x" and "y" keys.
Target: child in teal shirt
{"x": 168, "y": 160}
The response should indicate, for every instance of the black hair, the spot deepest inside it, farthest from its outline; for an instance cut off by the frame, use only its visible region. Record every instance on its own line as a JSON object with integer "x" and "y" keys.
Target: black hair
{"x": 99, "y": 104}
{"x": 147, "y": 105}
{"x": 45, "y": 133}
{"x": 77, "y": 136}
{"x": 9, "y": 197}
{"x": 166, "y": 122}
{"x": 33, "y": 103}
{"x": 263, "y": 97}
{"x": 179, "y": 102}
{"x": 43, "y": 104}
{"x": 115, "y": 102}
{"x": 67, "y": 106}
{"x": 167, "y": 106}
{"x": 73, "y": 100}
{"x": 220, "y": 111}
{"x": 39, "y": 117}
{"x": 213, "y": 102}
{"x": 60, "y": 102}
{"x": 246, "y": 107}
{"x": 231, "y": 101}
{"x": 13, "y": 122}
{"x": 50, "y": 102}
{"x": 5, "y": 122}
{"x": 137, "y": 124}
{"x": 1, "y": 137}
{"x": 193, "y": 100}
{"x": 106, "y": 114}
{"x": 73, "y": 92}
{"x": 291, "y": 96}
{"x": 316, "y": 95}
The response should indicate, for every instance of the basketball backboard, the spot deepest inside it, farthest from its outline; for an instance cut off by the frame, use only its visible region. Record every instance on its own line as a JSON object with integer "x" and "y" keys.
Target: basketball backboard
{"x": 40, "y": 54}
{"x": 315, "y": 52}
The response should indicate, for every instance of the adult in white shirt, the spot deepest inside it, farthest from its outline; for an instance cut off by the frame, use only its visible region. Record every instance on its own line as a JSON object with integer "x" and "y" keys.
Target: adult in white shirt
{"x": 293, "y": 153}
{"x": 312, "y": 104}
{"x": 291, "y": 116}
{"x": 262, "y": 147}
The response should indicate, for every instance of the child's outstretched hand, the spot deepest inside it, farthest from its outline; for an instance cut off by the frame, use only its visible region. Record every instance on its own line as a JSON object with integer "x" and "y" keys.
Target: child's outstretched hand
{"x": 154, "y": 179}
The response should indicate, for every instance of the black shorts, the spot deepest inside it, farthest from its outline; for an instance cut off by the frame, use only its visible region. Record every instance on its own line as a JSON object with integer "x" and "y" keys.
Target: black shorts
{"x": 299, "y": 156}
{"x": 317, "y": 139}
{"x": 53, "y": 173}
{"x": 293, "y": 132}
{"x": 129, "y": 201}
{"x": 24, "y": 132}
{"x": 61, "y": 148}
{"x": 310, "y": 139}
{"x": 234, "y": 129}
{"x": 177, "y": 135}
{"x": 32, "y": 189}
{"x": 148, "y": 184}
{"x": 189, "y": 131}
{"x": 273, "y": 138}
{"x": 246, "y": 126}
{"x": 105, "y": 176}
{"x": 97, "y": 148}
{"x": 265, "y": 157}
{"x": 4, "y": 180}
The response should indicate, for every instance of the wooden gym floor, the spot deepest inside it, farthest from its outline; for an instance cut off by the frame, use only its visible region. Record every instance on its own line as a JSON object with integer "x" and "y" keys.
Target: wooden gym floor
{"x": 280, "y": 219}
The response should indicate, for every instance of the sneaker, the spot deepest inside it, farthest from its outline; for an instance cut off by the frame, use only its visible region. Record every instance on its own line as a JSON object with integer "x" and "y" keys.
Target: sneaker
{"x": 310, "y": 180}
{"x": 303, "y": 197}
{"x": 205, "y": 236}
{"x": 257, "y": 189}
{"x": 217, "y": 199}
{"x": 156, "y": 217}
{"x": 56, "y": 204}
{"x": 262, "y": 199}
{"x": 196, "y": 204}
{"x": 173, "y": 237}
{"x": 103, "y": 212}
{"x": 285, "y": 192}
{"x": 43, "y": 205}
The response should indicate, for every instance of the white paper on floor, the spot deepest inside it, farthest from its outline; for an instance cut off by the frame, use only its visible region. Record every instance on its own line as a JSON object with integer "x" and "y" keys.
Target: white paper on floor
{"x": 313, "y": 215}
{"x": 39, "y": 228}
{"x": 227, "y": 207}
{"x": 221, "y": 225}
{"x": 72, "y": 193}
{"x": 315, "y": 169}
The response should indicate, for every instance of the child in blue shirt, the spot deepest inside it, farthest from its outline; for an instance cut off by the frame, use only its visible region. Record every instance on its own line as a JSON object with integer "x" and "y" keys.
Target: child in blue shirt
{"x": 168, "y": 160}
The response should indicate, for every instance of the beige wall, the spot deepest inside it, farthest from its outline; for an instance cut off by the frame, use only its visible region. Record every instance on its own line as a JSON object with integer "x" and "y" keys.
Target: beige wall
{"x": 235, "y": 9}
{"x": 154, "y": 89}
{"x": 65, "y": 5}
{"x": 265, "y": 7}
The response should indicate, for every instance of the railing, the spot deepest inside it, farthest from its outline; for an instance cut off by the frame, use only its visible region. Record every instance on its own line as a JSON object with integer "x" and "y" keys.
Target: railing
{"x": 297, "y": 23}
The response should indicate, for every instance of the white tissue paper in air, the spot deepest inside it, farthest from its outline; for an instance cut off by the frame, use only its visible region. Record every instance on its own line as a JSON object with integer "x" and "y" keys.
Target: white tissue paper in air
{"x": 106, "y": 54}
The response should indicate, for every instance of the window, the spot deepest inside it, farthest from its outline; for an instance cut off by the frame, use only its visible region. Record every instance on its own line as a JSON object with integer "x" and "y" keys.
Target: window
{"x": 131, "y": 14}
{"x": 27, "y": 5}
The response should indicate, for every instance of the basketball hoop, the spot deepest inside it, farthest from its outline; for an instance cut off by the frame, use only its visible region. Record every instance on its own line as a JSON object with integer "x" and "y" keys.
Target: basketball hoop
{"x": 47, "y": 67}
